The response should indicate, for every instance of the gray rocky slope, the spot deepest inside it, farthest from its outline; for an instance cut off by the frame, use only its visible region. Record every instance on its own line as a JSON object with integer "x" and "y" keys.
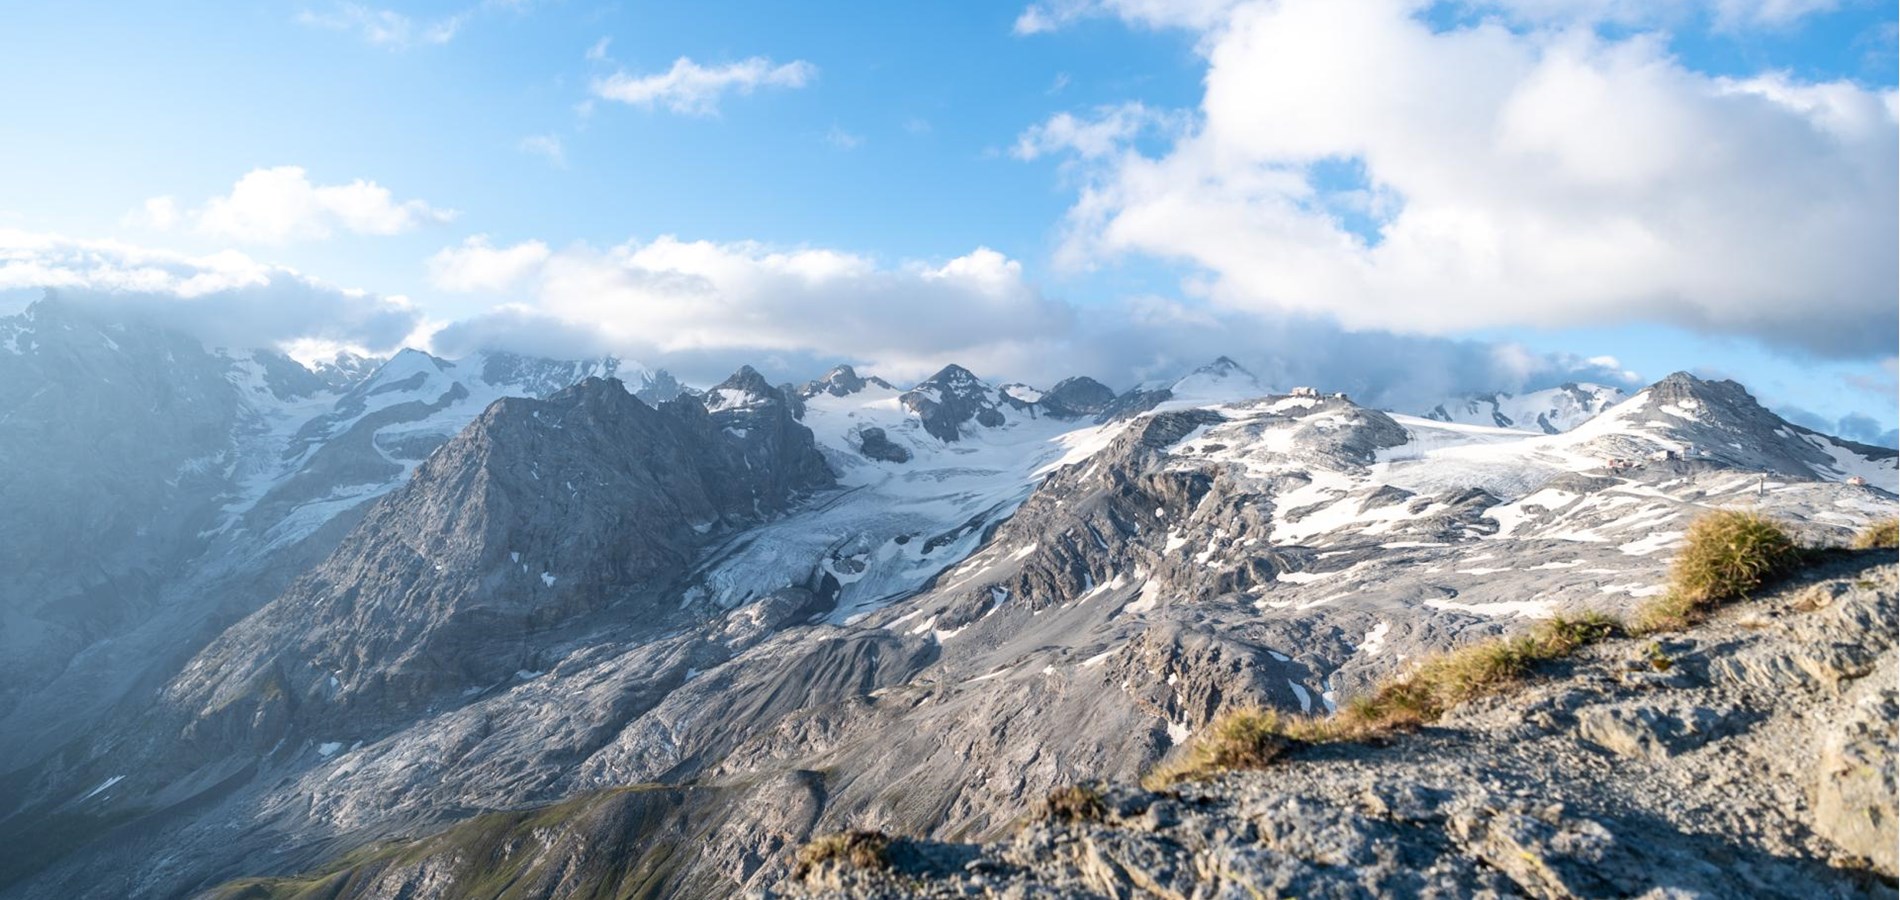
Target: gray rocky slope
{"x": 1752, "y": 755}
{"x": 659, "y": 651}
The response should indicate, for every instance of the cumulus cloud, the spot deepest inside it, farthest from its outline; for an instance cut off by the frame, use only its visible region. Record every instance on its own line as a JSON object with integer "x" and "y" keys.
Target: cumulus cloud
{"x": 281, "y": 204}
{"x": 1107, "y": 131}
{"x": 691, "y": 89}
{"x": 546, "y": 146}
{"x": 1517, "y": 178}
{"x": 478, "y": 265}
{"x": 224, "y": 299}
{"x": 667, "y": 296}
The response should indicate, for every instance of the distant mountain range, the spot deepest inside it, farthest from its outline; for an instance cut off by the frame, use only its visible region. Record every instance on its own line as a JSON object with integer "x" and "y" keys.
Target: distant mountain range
{"x": 376, "y": 628}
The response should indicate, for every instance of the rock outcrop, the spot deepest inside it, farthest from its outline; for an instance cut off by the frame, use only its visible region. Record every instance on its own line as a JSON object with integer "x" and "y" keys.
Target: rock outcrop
{"x": 1750, "y": 756}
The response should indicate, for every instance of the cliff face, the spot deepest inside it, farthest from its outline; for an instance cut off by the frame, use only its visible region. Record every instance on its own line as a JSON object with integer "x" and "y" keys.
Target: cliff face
{"x": 1750, "y": 756}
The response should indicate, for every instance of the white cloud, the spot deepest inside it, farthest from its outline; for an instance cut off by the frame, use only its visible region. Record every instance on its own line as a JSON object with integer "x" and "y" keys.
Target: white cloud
{"x": 842, "y": 139}
{"x": 478, "y": 265}
{"x": 1050, "y": 15}
{"x": 546, "y": 146}
{"x": 702, "y": 308}
{"x": 1107, "y": 131}
{"x": 393, "y": 30}
{"x": 669, "y": 296}
{"x": 1722, "y": 14}
{"x": 1211, "y": 15}
{"x": 278, "y": 205}
{"x": 598, "y": 52}
{"x": 225, "y": 299}
{"x": 160, "y": 213}
{"x": 1543, "y": 178}
{"x": 383, "y": 27}
{"x": 692, "y": 89}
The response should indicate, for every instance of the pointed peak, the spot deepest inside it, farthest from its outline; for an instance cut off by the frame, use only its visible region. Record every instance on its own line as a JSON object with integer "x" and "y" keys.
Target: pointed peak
{"x": 747, "y": 380}
{"x": 953, "y": 375}
{"x": 1684, "y": 385}
{"x": 840, "y": 381}
{"x": 745, "y": 389}
{"x": 1078, "y": 396}
{"x": 1223, "y": 367}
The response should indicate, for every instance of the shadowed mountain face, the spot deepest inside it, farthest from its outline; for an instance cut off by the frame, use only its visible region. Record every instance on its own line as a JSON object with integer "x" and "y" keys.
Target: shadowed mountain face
{"x": 115, "y": 438}
{"x": 540, "y": 513}
{"x": 664, "y": 644}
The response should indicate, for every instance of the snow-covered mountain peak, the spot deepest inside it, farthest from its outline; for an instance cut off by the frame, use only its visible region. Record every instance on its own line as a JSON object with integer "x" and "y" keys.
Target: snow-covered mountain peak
{"x": 841, "y": 381}
{"x": 345, "y": 369}
{"x": 744, "y": 389}
{"x": 1221, "y": 381}
{"x": 1548, "y": 411}
{"x": 954, "y": 396}
{"x": 1022, "y": 393}
{"x": 958, "y": 381}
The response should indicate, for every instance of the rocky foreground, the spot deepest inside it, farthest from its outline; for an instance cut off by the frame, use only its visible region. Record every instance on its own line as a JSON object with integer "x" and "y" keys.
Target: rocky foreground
{"x": 1752, "y": 755}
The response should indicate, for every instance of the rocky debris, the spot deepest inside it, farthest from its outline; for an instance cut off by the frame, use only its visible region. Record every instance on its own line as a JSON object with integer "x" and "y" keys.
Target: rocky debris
{"x": 1854, "y": 782}
{"x": 1596, "y": 781}
{"x": 1652, "y": 731}
{"x": 874, "y": 444}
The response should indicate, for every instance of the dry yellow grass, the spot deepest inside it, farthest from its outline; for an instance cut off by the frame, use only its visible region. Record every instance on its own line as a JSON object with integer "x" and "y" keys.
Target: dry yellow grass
{"x": 1884, "y": 535}
{"x": 1076, "y": 803}
{"x": 1255, "y": 738}
{"x": 863, "y": 849}
{"x": 1726, "y": 555}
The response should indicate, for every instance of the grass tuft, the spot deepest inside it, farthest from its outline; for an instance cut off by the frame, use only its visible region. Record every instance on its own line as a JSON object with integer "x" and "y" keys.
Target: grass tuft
{"x": 1075, "y": 803}
{"x": 1883, "y": 535}
{"x": 1726, "y": 555}
{"x": 1238, "y": 739}
{"x": 858, "y": 848}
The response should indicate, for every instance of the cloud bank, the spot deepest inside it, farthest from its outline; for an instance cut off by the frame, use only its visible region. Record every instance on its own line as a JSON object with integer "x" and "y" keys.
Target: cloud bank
{"x": 279, "y": 205}
{"x": 702, "y": 308}
{"x": 225, "y": 300}
{"x": 1485, "y": 175}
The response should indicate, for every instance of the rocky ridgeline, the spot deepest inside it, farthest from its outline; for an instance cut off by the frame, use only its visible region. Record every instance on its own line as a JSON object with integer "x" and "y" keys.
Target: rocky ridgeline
{"x": 1752, "y": 755}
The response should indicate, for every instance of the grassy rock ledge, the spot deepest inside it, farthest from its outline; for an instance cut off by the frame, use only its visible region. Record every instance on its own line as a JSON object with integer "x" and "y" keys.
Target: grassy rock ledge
{"x": 1737, "y": 741}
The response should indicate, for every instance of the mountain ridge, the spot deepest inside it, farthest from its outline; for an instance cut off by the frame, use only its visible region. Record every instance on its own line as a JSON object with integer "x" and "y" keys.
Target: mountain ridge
{"x": 1075, "y": 585}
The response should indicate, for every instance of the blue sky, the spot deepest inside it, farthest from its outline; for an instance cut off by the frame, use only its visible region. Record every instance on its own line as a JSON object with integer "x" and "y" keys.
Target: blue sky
{"x": 1085, "y": 184}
